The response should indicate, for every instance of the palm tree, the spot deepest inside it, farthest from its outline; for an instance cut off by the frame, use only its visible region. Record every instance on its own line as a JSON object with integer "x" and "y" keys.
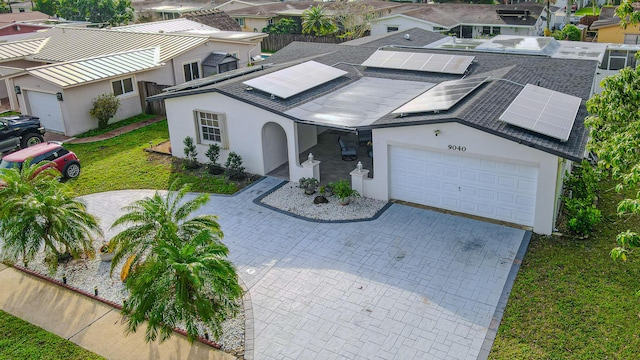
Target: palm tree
{"x": 177, "y": 268}
{"x": 315, "y": 20}
{"x": 39, "y": 212}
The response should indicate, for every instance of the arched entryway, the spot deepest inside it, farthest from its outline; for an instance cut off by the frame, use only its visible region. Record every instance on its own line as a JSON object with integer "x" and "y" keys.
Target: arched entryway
{"x": 274, "y": 150}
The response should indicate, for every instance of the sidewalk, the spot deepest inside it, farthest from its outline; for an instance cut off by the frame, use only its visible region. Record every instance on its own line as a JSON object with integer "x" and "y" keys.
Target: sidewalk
{"x": 88, "y": 323}
{"x": 108, "y": 135}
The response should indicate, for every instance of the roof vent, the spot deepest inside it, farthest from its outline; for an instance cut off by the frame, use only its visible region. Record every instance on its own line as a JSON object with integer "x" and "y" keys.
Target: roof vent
{"x": 407, "y": 37}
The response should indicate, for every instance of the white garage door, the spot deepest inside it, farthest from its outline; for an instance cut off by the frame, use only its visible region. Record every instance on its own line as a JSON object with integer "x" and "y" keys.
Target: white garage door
{"x": 47, "y": 108}
{"x": 487, "y": 188}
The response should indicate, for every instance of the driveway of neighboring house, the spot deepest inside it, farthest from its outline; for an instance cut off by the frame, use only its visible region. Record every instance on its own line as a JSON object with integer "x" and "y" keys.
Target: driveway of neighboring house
{"x": 412, "y": 284}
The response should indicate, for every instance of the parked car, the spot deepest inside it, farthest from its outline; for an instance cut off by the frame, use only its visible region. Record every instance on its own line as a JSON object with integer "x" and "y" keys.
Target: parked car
{"x": 20, "y": 132}
{"x": 51, "y": 152}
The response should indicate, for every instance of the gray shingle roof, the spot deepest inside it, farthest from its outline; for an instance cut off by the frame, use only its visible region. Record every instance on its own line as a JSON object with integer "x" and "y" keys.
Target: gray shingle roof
{"x": 479, "y": 110}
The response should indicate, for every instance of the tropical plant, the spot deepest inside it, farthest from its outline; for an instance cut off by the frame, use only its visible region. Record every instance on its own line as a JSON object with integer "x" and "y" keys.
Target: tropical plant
{"x": 103, "y": 108}
{"x": 234, "y": 169}
{"x": 39, "y": 213}
{"x": 191, "y": 153}
{"x": 178, "y": 273}
{"x": 342, "y": 189}
{"x": 309, "y": 185}
{"x": 49, "y": 7}
{"x": 316, "y": 21}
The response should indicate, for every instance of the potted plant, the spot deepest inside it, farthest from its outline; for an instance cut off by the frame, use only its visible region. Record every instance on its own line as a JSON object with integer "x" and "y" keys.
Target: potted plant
{"x": 105, "y": 252}
{"x": 326, "y": 190}
{"x": 342, "y": 189}
{"x": 309, "y": 185}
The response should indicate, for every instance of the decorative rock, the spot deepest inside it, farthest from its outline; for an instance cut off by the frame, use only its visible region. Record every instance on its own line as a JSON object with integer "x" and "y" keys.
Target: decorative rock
{"x": 320, "y": 200}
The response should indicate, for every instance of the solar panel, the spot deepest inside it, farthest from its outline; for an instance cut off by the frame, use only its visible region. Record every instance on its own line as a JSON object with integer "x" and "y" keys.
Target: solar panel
{"x": 544, "y": 111}
{"x": 295, "y": 79}
{"x": 442, "y": 96}
{"x": 439, "y": 63}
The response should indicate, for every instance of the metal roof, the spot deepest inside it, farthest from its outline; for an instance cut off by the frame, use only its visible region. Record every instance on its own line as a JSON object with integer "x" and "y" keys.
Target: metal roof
{"x": 167, "y": 26}
{"x": 67, "y": 44}
{"x": 79, "y": 72}
{"x": 18, "y": 49}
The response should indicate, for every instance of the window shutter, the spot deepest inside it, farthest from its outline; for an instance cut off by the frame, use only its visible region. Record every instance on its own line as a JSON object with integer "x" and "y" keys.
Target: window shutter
{"x": 224, "y": 135}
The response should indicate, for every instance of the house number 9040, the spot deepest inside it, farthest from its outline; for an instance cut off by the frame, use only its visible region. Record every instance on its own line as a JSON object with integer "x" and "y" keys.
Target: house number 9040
{"x": 457, "y": 147}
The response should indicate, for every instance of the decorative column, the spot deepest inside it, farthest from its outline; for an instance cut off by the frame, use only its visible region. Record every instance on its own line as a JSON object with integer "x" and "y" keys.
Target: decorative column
{"x": 358, "y": 177}
{"x": 311, "y": 168}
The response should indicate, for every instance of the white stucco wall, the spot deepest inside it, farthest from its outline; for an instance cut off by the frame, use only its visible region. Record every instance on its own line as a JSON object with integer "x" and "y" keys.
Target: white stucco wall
{"x": 477, "y": 144}
{"x": 403, "y": 23}
{"x": 244, "y": 128}
{"x": 77, "y": 102}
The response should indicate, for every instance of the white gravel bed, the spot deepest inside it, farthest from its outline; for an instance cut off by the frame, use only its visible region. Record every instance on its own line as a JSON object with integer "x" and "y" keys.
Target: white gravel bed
{"x": 292, "y": 199}
{"x": 86, "y": 274}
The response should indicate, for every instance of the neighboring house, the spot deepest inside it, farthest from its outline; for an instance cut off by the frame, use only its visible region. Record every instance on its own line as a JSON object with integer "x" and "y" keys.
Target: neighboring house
{"x": 239, "y": 4}
{"x": 151, "y": 10}
{"x": 257, "y": 17}
{"x": 17, "y": 23}
{"x": 466, "y": 20}
{"x": 214, "y": 18}
{"x": 242, "y": 46}
{"x": 55, "y": 74}
{"x": 610, "y": 31}
{"x": 427, "y": 149}
{"x": 20, "y": 6}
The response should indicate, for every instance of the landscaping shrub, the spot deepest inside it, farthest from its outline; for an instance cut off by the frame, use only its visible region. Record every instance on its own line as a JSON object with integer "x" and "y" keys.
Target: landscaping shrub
{"x": 234, "y": 169}
{"x": 103, "y": 108}
{"x": 580, "y": 195}
{"x": 213, "y": 153}
{"x": 190, "y": 153}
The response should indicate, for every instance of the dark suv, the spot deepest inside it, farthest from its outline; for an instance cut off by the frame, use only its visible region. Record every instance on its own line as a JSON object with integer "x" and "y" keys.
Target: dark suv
{"x": 19, "y": 131}
{"x": 52, "y": 152}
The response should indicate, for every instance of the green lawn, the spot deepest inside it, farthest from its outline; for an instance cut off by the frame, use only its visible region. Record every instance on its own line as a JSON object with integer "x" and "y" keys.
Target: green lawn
{"x": 121, "y": 163}
{"x": 117, "y": 125}
{"x": 571, "y": 301}
{"x": 587, "y": 11}
{"x": 22, "y": 340}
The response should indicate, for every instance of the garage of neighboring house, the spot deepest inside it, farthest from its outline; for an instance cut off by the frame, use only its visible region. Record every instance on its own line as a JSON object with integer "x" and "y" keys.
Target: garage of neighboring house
{"x": 468, "y": 184}
{"x": 47, "y": 107}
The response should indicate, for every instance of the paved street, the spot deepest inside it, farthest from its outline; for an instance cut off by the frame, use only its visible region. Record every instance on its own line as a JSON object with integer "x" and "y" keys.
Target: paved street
{"x": 413, "y": 284}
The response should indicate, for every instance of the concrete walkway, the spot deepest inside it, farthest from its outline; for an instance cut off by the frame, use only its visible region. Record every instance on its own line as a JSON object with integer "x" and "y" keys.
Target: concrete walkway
{"x": 413, "y": 284}
{"x": 88, "y": 323}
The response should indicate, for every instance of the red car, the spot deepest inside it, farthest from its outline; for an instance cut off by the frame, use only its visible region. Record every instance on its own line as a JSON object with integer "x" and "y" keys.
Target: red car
{"x": 65, "y": 161}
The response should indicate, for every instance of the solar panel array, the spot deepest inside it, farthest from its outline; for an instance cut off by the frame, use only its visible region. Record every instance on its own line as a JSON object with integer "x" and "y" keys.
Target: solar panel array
{"x": 295, "y": 79}
{"x": 544, "y": 111}
{"x": 438, "y": 63}
{"x": 442, "y": 96}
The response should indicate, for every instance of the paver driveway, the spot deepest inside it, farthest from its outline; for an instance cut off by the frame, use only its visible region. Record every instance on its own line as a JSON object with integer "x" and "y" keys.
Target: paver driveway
{"x": 413, "y": 284}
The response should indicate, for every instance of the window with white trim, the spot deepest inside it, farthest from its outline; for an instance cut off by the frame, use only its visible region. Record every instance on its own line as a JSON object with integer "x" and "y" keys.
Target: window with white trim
{"x": 240, "y": 21}
{"x": 191, "y": 71}
{"x": 211, "y": 128}
{"x": 122, "y": 86}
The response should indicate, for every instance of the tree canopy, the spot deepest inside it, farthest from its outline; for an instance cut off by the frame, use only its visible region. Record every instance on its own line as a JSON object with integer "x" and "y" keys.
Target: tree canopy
{"x": 178, "y": 274}
{"x": 38, "y": 213}
{"x": 316, "y": 21}
{"x": 615, "y": 138}
{"x": 283, "y": 26}
{"x": 112, "y": 12}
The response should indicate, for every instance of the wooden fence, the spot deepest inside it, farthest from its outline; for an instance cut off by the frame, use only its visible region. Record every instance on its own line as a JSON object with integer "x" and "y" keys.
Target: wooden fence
{"x": 149, "y": 89}
{"x": 275, "y": 42}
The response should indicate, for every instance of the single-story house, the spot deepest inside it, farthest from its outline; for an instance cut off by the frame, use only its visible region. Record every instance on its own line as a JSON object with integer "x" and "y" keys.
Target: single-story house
{"x": 257, "y": 17}
{"x": 214, "y": 18}
{"x": 458, "y": 130}
{"x": 55, "y": 74}
{"x": 610, "y": 31}
{"x": 466, "y": 20}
